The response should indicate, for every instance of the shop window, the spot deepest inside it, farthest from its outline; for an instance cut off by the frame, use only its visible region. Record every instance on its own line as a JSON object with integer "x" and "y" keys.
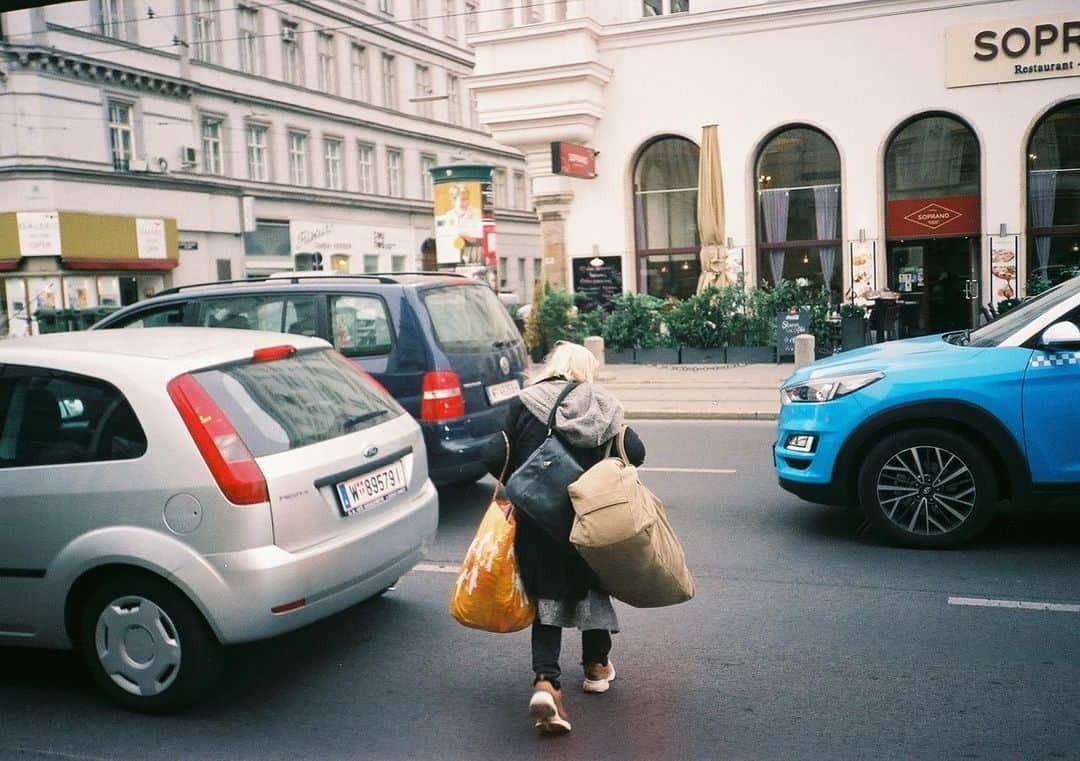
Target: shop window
{"x": 665, "y": 217}
{"x": 798, "y": 208}
{"x": 269, "y": 238}
{"x": 52, "y": 418}
{"x": 1054, "y": 198}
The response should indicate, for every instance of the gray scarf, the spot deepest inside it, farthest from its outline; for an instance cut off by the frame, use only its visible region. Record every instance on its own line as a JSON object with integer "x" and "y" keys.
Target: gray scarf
{"x": 588, "y": 417}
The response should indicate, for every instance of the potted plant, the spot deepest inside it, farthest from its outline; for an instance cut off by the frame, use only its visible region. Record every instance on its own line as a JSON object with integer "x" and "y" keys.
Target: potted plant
{"x": 852, "y": 326}
{"x": 633, "y": 326}
{"x": 699, "y": 326}
{"x": 753, "y": 326}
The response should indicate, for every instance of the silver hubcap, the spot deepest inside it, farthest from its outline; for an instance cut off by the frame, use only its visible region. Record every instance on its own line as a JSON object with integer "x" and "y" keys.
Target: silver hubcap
{"x": 926, "y": 490}
{"x": 138, "y": 646}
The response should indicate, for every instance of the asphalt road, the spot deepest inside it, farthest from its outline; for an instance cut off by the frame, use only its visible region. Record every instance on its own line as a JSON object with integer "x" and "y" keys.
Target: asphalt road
{"x": 807, "y": 640}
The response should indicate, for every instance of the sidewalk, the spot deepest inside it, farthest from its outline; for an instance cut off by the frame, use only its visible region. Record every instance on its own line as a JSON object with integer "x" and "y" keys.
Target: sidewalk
{"x": 697, "y": 392}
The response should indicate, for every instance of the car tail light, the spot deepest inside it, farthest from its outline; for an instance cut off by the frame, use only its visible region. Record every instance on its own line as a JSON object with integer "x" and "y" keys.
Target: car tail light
{"x": 270, "y": 353}
{"x": 228, "y": 458}
{"x": 441, "y": 397}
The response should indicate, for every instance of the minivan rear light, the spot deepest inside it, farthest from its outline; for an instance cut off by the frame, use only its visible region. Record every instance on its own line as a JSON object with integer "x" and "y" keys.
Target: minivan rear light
{"x": 441, "y": 397}
{"x": 228, "y": 458}
{"x": 270, "y": 353}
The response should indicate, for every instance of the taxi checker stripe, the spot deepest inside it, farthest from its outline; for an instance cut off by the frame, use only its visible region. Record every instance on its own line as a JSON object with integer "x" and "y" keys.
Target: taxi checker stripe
{"x": 1057, "y": 360}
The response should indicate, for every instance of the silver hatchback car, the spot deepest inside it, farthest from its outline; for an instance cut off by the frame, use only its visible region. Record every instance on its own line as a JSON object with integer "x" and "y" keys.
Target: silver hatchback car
{"x": 171, "y": 490}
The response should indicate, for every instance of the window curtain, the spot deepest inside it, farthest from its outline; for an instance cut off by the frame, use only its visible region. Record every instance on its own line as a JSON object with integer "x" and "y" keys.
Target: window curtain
{"x": 774, "y": 210}
{"x": 1042, "y": 187}
{"x": 828, "y": 264}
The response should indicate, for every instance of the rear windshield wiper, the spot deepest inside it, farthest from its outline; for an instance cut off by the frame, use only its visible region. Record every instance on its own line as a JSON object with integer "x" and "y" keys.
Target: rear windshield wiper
{"x": 356, "y": 420}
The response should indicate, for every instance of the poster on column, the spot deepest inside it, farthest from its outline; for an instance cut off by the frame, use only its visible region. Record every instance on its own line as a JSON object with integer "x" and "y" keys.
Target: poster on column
{"x": 863, "y": 272}
{"x": 459, "y": 224}
{"x": 1003, "y": 267}
{"x": 735, "y": 266}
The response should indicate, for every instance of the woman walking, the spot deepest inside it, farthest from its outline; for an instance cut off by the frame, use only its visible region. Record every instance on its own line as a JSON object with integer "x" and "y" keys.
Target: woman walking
{"x": 567, "y": 592}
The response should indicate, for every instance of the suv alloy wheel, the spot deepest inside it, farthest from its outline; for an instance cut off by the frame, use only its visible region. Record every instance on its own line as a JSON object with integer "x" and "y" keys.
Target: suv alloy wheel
{"x": 146, "y": 645}
{"x": 927, "y": 488}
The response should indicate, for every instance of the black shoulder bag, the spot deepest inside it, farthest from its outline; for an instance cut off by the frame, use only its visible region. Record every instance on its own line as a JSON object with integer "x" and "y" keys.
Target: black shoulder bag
{"x": 539, "y": 487}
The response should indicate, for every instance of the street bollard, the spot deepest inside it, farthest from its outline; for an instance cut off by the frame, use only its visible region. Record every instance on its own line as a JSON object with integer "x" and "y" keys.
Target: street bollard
{"x": 804, "y": 349}
{"x": 595, "y": 344}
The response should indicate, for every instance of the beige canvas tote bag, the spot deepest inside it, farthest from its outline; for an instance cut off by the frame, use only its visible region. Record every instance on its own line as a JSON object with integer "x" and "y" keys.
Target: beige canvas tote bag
{"x": 621, "y": 530}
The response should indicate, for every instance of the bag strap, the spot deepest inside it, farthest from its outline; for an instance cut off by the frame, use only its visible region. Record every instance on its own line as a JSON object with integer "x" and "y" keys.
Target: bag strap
{"x": 619, "y": 440}
{"x": 502, "y": 476}
{"x": 570, "y": 386}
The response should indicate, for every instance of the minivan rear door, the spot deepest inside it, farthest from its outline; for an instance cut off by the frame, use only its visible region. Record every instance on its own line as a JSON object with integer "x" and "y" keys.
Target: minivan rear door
{"x": 480, "y": 341}
{"x": 335, "y": 449}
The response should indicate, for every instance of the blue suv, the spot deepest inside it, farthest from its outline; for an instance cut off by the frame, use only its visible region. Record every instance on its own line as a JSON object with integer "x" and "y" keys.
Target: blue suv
{"x": 932, "y": 435}
{"x": 442, "y": 345}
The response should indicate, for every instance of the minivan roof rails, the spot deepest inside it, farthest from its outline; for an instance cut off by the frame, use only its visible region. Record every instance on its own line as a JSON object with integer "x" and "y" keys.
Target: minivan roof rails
{"x": 292, "y": 278}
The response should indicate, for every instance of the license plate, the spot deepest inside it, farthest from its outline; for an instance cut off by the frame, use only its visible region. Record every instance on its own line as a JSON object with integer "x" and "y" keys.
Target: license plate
{"x": 371, "y": 488}
{"x": 500, "y": 392}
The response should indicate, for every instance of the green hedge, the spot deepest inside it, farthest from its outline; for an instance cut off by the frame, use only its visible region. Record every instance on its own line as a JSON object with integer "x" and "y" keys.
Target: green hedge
{"x": 728, "y": 316}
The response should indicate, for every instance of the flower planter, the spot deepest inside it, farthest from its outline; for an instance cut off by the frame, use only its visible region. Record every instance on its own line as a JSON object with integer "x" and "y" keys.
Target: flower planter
{"x": 749, "y": 355}
{"x": 691, "y": 356}
{"x": 852, "y": 332}
{"x": 618, "y": 356}
{"x": 660, "y": 355}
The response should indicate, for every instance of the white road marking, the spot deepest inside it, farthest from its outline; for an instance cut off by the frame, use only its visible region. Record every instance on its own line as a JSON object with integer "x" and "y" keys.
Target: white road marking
{"x": 716, "y": 471}
{"x": 981, "y": 602}
{"x": 436, "y": 568}
{"x": 59, "y": 754}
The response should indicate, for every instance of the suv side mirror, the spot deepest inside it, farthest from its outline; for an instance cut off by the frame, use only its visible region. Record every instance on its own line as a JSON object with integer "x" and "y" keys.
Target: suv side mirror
{"x": 1060, "y": 335}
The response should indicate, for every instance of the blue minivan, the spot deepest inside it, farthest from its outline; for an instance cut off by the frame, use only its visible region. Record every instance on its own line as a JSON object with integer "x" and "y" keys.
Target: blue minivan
{"x": 443, "y": 345}
{"x": 931, "y": 436}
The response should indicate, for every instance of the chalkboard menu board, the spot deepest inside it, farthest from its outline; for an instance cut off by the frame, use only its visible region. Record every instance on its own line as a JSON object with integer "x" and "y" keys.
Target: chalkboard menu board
{"x": 788, "y": 325}
{"x": 598, "y": 279}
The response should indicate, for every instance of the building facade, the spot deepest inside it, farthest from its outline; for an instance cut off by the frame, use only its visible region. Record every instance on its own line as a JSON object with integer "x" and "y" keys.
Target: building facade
{"x": 209, "y": 140}
{"x": 926, "y": 147}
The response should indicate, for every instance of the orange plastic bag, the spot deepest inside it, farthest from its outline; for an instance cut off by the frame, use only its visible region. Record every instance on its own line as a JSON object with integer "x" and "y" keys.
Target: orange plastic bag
{"x": 489, "y": 594}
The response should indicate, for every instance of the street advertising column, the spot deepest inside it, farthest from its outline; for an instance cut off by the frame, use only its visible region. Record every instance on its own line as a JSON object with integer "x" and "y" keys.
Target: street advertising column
{"x": 465, "y": 221}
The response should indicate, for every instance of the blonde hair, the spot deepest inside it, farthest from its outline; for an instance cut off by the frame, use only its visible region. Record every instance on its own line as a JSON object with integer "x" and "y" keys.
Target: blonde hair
{"x": 570, "y": 361}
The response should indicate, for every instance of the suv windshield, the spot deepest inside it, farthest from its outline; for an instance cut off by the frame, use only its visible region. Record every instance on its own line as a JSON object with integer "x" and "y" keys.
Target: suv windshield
{"x": 469, "y": 318}
{"x": 1003, "y": 327}
{"x": 290, "y": 403}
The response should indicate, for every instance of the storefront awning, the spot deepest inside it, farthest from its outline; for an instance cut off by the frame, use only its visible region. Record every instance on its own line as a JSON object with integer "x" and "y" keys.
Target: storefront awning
{"x": 89, "y": 241}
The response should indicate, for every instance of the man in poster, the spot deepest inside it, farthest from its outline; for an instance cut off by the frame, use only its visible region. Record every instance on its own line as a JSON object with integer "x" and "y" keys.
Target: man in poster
{"x": 459, "y": 229}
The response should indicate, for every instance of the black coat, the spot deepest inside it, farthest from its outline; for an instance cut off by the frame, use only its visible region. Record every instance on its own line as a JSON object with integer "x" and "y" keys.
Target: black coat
{"x": 547, "y": 570}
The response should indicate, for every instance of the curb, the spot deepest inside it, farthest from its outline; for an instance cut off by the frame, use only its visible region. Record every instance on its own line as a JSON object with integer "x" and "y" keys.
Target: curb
{"x": 703, "y": 415}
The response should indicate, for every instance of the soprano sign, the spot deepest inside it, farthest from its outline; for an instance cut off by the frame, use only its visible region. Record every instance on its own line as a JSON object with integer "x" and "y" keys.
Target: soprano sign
{"x": 1016, "y": 50}
{"x": 573, "y": 160}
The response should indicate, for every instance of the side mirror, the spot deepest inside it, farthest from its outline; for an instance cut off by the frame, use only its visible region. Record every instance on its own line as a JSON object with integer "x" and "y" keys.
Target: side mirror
{"x": 1060, "y": 335}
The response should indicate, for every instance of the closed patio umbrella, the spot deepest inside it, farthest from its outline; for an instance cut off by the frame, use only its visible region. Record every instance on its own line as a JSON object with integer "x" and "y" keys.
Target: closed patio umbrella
{"x": 710, "y": 212}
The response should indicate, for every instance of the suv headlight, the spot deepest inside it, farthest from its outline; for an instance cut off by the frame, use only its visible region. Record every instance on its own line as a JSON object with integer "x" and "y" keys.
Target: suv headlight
{"x": 826, "y": 389}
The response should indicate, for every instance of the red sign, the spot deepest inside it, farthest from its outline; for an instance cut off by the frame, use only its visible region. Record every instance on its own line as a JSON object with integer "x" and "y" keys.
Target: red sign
{"x": 573, "y": 160}
{"x": 954, "y": 215}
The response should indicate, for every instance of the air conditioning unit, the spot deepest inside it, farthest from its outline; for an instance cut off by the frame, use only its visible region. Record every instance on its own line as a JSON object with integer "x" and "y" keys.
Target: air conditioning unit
{"x": 138, "y": 165}
{"x": 288, "y": 33}
{"x": 188, "y": 157}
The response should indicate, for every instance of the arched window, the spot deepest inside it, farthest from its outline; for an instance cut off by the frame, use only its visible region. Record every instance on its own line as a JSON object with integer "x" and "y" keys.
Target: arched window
{"x": 1054, "y": 198}
{"x": 933, "y": 225}
{"x": 665, "y": 217}
{"x": 798, "y": 219}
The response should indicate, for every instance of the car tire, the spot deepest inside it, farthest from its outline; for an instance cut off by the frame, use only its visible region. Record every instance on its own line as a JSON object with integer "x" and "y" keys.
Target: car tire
{"x": 927, "y": 488}
{"x": 147, "y": 646}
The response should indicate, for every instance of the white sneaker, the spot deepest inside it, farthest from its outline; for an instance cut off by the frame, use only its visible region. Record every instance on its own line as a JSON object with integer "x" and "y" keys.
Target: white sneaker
{"x": 598, "y": 678}
{"x": 546, "y": 710}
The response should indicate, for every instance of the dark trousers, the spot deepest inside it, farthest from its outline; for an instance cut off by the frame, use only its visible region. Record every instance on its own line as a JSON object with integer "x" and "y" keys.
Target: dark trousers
{"x": 547, "y": 644}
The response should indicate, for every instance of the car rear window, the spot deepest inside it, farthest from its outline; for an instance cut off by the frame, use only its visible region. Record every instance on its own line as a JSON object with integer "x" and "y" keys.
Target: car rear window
{"x": 469, "y": 318}
{"x": 305, "y": 399}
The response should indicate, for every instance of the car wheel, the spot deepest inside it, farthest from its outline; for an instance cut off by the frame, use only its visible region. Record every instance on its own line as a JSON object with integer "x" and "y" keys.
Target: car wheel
{"x": 927, "y": 488}
{"x": 147, "y": 646}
